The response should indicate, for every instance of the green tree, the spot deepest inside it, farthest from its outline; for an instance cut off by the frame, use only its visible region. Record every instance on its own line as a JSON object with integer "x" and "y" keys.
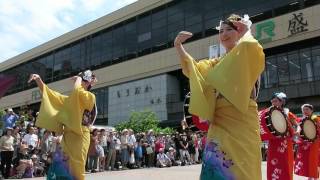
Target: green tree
{"x": 142, "y": 121}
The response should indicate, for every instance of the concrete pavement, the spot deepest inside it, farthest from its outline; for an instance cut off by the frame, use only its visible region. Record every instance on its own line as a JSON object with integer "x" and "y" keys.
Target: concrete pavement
{"x": 174, "y": 173}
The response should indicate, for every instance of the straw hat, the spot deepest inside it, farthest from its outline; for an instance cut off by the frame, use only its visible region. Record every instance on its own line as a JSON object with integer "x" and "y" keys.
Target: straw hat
{"x": 124, "y": 130}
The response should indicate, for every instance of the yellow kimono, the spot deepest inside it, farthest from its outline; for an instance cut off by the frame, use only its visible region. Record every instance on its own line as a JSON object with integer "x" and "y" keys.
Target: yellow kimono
{"x": 64, "y": 114}
{"x": 233, "y": 144}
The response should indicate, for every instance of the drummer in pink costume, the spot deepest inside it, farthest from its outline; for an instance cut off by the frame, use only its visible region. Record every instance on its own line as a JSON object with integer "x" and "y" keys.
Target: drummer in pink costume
{"x": 280, "y": 149}
{"x": 306, "y": 162}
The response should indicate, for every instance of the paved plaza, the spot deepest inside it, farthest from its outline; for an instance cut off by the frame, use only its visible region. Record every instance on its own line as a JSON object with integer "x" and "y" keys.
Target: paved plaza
{"x": 173, "y": 173}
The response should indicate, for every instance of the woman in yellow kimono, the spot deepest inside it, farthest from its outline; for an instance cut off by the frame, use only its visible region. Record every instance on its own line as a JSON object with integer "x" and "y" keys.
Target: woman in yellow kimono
{"x": 224, "y": 91}
{"x": 70, "y": 116}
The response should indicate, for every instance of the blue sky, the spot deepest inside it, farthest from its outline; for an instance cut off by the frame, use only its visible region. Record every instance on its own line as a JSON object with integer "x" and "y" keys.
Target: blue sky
{"x": 26, "y": 24}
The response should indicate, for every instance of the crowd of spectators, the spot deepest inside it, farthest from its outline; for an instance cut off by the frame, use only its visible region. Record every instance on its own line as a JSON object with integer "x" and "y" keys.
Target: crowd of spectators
{"x": 27, "y": 151}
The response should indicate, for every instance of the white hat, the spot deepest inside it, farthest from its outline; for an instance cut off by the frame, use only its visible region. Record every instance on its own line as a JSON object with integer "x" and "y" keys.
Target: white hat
{"x": 10, "y": 110}
{"x": 9, "y": 128}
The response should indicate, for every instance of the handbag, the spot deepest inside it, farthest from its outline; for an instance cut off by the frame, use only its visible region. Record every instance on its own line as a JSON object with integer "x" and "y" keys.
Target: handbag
{"x": 132, "y": 160}
{"x": 149, "y": 150}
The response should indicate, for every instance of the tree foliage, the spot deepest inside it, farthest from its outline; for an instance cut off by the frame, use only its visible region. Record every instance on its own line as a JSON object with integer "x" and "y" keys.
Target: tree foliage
{"x": 142, "y": 121}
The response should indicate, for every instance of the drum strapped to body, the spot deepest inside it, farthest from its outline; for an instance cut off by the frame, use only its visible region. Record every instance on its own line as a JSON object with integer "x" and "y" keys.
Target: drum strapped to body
{"x": 273, "y": 123}
{"x": 308, "y": 129}
{"x": 194, "y": 122}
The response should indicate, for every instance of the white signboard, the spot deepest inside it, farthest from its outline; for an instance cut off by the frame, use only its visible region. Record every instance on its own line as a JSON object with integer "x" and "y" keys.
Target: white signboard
{"x": 146, "y": 94}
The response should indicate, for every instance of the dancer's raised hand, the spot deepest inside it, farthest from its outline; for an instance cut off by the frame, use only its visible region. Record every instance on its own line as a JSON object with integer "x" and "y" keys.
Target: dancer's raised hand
{"x": 74, "y": 78}
{"x": 182, "y": 37}
{"x": 33, "y": 77}
{"x": 38, "y": 80}
{"x": 242, "y": 27}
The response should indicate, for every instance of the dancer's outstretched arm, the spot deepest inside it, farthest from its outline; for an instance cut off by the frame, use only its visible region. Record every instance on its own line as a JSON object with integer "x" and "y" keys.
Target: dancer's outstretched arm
{"x": 181, "y": 38}
{"x": 183, "y": 54}
{"x": 77, "y": 81}
{"x": 38, "y": 80}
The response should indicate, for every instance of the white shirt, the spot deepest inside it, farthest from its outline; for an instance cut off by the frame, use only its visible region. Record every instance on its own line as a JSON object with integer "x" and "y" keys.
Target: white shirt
{"x": 6, "y": 143}
{"x": 132, "y": 140}
{"x": 103, "y": 140}
{"x": 118, "y": 144}
{"x": 162, "y": 157}
{"x": 31, "y": 139}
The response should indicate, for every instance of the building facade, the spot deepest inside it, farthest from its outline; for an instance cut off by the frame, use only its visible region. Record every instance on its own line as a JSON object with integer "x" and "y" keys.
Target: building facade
{"x": 131, "y": 51}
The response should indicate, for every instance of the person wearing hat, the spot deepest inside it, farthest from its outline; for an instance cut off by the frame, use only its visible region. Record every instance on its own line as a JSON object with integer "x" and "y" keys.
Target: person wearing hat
{"x": 184, "y": 150}
{"x": 280, "y": 155}
{"x": 112, "y": 151}
{"x": 150, "y": 148}
{"x": 172, "y": 156}
{"x": 307, "y": 155}
{"x": 71, "y": 116}
{"x": 38, "y": 169}
{"x": 162, "y": 159}
{"x": 124, "y": 148}
{"x": 9, "y": 118}
{"x": 22, "y": 163}
{"x": 6, "y": 147}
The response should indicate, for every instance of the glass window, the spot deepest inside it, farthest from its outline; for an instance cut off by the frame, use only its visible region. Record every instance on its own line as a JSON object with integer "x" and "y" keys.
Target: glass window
{"x": 159, "y": 14}
{"x": 289, "y": 7}
{"x": 175, "y": 8}
{"x": 308, "y": 3}
{"x": 316, "y": 62}
{"x": 193, "y": 17}
{"x": 256, "y": 17}
{"x": 238, "y": 7}
{"x": 131, "y": 39}
{"x": 159, "y": 29}
{"x": 159, "y": 38}
{"x": 258, "y": 8}
{"x": 306, "y": 64}
{"x": 193, "y": 13}
{"x": 21, "y": 73}
{"x": 118, "y": 44}
{"x": 106, "y": 102}
{"x": 263, "y": 81}
{"x": 100, "y": 100}
{"x": 144, "y": 24}
{"x": 210, "y": 26}
{"x": 49, "y": 66}
{"x": 175, "y": 21}
{"x": 271, "y": 72}
{"x": 283, "y": 71}
{"x": 39, "y": 66}
{"x": 75, "y": 57}
{"x": 212, "y": 8}
{"x": 294, "y": 67}
{"x": 62, "y": 65}
{"x": 144, "y": 34}
{"x": 43, "y": 70}
{"x": 83, "y": 55}
{"x": 95, "y": 51}
{"x": 277, "y": 3}
{"x": 159, "y": 23}
{"x": 106, "y": 42}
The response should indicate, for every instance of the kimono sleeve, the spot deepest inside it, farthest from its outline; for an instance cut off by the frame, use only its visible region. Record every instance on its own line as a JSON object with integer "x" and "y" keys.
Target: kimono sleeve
{"x": 51, "y": 104}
